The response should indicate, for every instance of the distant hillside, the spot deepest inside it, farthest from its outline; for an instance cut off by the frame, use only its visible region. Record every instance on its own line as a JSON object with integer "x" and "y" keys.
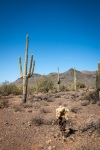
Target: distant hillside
{"x": 88, "y": 77}
{"x": 88, "y": 72}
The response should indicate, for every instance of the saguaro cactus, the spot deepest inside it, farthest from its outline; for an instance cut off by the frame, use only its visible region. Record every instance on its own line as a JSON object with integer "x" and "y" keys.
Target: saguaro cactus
{"x": 26, "y": 75}
{"x": 74, "y": 79}
{"x": 98, "y": 79}
{"x": 58, "y": 80}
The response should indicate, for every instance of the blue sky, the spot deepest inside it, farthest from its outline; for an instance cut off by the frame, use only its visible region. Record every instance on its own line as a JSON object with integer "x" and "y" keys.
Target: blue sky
{"x": 62, "y": 33}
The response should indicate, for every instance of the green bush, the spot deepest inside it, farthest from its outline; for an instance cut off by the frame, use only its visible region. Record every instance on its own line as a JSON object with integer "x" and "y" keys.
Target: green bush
{"x": 80, "y": 85}
{"x": 62, "y": 88}
{"x": 44, "y": 84}
{"x": 71, "y": 87}
{"x": 9, "y": 88}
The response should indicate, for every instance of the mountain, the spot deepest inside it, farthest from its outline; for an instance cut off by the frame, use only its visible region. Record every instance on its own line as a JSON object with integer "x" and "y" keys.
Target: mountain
{"x": 87, "y": 77}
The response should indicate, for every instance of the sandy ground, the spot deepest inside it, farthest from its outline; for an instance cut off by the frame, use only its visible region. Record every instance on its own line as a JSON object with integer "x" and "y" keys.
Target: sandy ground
{"x": 33, "y": 126}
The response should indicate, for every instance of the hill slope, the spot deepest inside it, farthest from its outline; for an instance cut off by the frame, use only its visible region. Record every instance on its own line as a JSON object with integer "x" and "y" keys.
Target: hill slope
{"x": 87, "y": 77}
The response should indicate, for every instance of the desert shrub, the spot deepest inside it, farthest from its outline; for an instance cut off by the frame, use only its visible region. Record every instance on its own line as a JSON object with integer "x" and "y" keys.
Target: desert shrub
{"x": 38, "y": 120}
{"x": 44, "y": 84}
{"x": 85, "y": 103}
{"x": 71, "y": 87}
{"x": 98, "y": 104}
{"x": 62, "y": 88}
{"x": 9, "y": 88}
{"x": 91, "y": 96}
{"x": 80, "y": 85}
{"x": 31, "y": 90}
{"x": 92, "y": 123}
{"x": 75, "y": 109}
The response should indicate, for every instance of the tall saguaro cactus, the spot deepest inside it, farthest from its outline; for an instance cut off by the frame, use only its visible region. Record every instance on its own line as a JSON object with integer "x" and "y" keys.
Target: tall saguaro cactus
{"x": 26, "y": 75}
{"x": 58, "y": 80}
{"x": 98, "y": 79}
{"x": 74, "y": 79}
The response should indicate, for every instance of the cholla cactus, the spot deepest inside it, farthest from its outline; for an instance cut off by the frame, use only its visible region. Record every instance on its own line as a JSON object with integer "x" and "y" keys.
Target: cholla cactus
{"x": 58, "y": 80}
{"x": 62, "y": 112}
{"x": 26, "y": 75}
{"x": 61, "y": 116}
{"x": 74, "y": 79}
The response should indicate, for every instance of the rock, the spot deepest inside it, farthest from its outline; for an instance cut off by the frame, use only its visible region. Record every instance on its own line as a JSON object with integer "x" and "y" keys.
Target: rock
{"x": 29, "y": 123}
{"x": 6, "y": 122}
{"x": 49, "y": 141}
{"x": 49, "y": 148}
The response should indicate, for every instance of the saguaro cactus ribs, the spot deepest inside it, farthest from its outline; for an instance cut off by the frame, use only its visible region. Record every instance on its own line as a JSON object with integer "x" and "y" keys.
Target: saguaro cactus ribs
{"x": 26, "y": 75}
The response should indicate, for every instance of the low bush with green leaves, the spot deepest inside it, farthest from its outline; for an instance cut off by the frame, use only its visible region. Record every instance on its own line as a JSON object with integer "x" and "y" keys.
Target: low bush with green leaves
{"x": 44, "y": 84}
{"x": 9, "y": 88}
{"x": 80, "y": 85}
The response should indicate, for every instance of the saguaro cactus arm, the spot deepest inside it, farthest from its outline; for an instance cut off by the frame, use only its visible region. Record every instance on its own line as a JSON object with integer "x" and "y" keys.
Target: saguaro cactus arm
{"x": 30, "y": 68}
{"x": 32, "y": 65}
{"x": 20, "y": 64}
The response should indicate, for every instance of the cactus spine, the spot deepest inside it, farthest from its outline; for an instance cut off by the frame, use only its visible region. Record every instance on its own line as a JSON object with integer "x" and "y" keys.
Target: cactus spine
{"x": 98, "y": 80}
{"x": 58, "y": 80}
{"x": 74, "y": 79}
{"x": 26, "y": 75}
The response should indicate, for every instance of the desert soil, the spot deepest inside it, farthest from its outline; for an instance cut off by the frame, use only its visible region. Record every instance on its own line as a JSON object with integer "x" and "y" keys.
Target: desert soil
{"x": 33, "y": 126}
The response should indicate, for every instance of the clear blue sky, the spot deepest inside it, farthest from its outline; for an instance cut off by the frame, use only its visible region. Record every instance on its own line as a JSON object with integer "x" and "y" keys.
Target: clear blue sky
{"x": 62, "y": 33}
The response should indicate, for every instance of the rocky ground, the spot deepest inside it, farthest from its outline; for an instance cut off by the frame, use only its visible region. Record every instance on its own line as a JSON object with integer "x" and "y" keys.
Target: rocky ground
{"x": 33, "y": 126}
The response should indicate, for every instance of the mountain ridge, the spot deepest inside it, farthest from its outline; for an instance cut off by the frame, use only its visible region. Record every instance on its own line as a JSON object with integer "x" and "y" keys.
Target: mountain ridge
{"x": 67, "y": 77}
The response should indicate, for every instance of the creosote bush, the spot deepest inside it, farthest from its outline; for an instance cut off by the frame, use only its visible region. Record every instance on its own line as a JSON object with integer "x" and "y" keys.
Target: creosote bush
{"x": 44, "y": 84}
{"x": 9, "y": 88}
{"x": 62, "y": 88}
{"x": 80, "y": 85}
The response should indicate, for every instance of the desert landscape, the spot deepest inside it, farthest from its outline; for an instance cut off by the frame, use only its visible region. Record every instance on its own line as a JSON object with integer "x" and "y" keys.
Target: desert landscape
{"x": 50, "y": 75}
{"x": 33, "y": 125}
